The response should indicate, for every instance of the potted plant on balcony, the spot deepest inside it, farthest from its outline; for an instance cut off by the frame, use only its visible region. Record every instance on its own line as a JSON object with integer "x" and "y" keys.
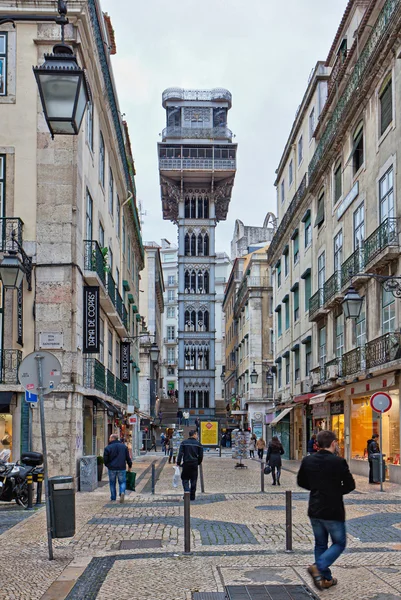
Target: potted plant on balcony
{"x": 100, "y": 463}
{"x": 104, "y": 252}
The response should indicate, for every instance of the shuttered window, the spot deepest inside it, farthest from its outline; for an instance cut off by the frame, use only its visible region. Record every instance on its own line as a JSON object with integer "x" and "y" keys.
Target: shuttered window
{"x": 338, "y": 188}
{"x": 278, "y": 268}
{"x": 296, "y": 303}
{"x": 3, "y": 64}
{"x": 320, "y": 211}
{"x": 386, "y": 105}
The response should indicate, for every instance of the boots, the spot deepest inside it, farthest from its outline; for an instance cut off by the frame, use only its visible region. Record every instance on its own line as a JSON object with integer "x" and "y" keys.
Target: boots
{"x": 278, "y": 480}
{"x": 274, "y": 479}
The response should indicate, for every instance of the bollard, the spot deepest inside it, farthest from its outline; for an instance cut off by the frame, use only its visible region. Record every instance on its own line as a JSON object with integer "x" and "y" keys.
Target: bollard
{"x": 202, "y": 481}
{"x": 262, "y": 477}
{"x": 29, "y": 480}
{"x": 39, "y": 488}
{"x": 153, "y": 478}
{"x": 288, "y": 521}
{"x": 187, "y": 523}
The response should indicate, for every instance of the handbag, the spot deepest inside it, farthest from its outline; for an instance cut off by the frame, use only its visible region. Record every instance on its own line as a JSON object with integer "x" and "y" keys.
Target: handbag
{"x": 267, "y": 470}
{"x": 131, "y": 476}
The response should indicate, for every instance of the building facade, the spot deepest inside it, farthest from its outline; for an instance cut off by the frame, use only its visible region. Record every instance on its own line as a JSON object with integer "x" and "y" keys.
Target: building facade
{"x": 197, "y": 164}
{"x": 71, "y": 203}
{"x": 339, "y": 225}
{"x": 169, "y": 258}
{"x": 223, "y": 269}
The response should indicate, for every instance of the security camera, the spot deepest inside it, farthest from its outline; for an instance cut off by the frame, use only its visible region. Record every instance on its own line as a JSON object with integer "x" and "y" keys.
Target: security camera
{"x": 33, "y": 404}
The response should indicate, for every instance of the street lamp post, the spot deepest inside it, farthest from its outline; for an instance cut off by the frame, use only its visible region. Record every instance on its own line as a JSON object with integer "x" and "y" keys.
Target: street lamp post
{"x": 13, "y": 269}
{"x": 352, "y": 302}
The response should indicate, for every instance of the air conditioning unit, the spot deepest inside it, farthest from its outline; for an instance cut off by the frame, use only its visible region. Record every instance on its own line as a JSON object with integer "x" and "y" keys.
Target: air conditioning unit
{"x": 306, "y": 386}
{"x": 332, "y": 372}
{"x": 316, "y": 378}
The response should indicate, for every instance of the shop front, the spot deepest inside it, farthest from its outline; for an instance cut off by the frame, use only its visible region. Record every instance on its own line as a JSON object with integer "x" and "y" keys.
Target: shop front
{"x": 7, "y": 426}
{"x": 337, "y": 423}
{"x": 281, "y": 427}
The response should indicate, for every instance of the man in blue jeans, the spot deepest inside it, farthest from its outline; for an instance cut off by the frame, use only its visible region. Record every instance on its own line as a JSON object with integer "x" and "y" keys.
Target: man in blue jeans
{"x": 328, "y": 478}
{"x": 115, "y": 456}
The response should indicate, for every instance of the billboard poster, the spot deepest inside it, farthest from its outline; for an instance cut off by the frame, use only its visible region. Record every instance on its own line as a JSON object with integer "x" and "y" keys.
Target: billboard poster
{"x": 209, "y": 433}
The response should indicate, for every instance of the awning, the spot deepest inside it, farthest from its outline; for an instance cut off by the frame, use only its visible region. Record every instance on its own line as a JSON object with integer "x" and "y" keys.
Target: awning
{"x": 280, "y": 416}
{"x": 320, "y": 398}
{"x": 303, "y": 398}
{"x": 5, "y": 401}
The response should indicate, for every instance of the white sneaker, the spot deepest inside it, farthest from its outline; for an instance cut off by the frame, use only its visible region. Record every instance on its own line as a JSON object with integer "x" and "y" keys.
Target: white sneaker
{"x": 122, "y": 496}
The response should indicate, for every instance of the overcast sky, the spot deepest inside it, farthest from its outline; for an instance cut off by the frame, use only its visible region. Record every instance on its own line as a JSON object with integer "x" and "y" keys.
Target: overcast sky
{"x": 261, "y": 50}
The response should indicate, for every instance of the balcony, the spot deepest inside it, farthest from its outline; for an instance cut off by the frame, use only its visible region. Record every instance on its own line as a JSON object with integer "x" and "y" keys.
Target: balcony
{"x": 10, "y": 226}
{"x": 170, "y": 340}
{"x": 172, "y": 284}
{"x": 95, "y": 264}
{"x": 201, "y": 133}
{"x": 383, "y": 349}
{"x": 10, "y": 361}
{"x": 332, "y": 290}
{"x": 197, "y": 164}
{"x": 316, "y": 306}
{"x": 336, "y": 70}
{"x": 354, "y": 361}
{"x": 170, "y": 362}
{"x": 382, "y": 245}
{"x": 353, "y": 268}
{"x": 94, "y": 375}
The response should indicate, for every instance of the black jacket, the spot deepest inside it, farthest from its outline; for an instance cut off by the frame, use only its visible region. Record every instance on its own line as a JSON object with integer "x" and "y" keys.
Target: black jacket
{"x": 116, "y": 455}
{"x": 273, "y": 457}
{"x": 328, "y": 478}
{"x": 191, "y": 451}
{"x": 373, "y": 448}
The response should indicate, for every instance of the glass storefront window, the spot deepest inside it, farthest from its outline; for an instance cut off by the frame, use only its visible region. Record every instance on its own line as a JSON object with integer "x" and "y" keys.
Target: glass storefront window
{"x": 337, "y": 425}
{"x": 365, "y": 422}
{"x": 6, "y": 439}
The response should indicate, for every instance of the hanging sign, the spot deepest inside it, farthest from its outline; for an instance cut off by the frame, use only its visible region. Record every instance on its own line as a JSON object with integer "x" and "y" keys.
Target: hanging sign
{"x": 125, "y": 361}
{"x": 20, "y": 315}
{"x": 91, "y": 343}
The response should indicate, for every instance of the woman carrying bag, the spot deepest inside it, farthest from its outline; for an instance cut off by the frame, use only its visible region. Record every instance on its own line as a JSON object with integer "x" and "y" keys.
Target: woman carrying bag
{"x": 273, "y": 458}
{"x": 260, "y": 445}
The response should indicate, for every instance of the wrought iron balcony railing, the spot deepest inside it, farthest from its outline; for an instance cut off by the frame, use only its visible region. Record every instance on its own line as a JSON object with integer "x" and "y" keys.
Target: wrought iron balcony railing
{"x": 209, "y": 133}
{"x": 383, "y": 349}
{"x": 315, "y": 302}
{"x": 353, "y": 265}
{"x": 332, "y": 286}
{"x": 170, "y": 340}
{"x": 111, "y": 383}
{"x": 94, "y": 259}
{"x": 384, "y": 236}
{"x": 353, "y": 361}
{"x": 10, "y": 361}
{"x": 8, "y": 227}
{"x": 94, "y": 374}
{"x": 333, "y": 369}
{"x": 111, "y": 288}
{"x": 197, "y": 164}
{"x": 335, "y": 71}
{"x": 182, "y": 94}
{"x": 354, "y": 82}
{"x": 120, "y": 391}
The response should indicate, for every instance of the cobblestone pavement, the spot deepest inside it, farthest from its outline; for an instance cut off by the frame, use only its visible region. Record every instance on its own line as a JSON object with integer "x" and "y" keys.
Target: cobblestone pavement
{"x": 238, "y": 538}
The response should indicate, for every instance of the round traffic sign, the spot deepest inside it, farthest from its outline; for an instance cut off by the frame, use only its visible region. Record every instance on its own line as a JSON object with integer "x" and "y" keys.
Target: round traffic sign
{"x": 381, "y": 402}
{"x": 28, "y": 374}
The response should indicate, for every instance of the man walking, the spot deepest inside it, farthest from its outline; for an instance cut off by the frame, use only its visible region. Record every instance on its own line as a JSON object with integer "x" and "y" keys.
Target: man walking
{"x": 373, "y": 448}
{"x": 115, "y": 456}
{"x": 191, "y": 456}
{"x": 185, "y": 414}
{"x": 328, "y": 478}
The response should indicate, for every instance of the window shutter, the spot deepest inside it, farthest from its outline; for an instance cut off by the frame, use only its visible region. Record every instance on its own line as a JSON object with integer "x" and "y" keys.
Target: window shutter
{"x": 296, "y": 244}
{"x": 308, "y": 291}
{"x": 296, "y": 299}
{"x": 386, "y": 107}
{"x": 320, "y": 211}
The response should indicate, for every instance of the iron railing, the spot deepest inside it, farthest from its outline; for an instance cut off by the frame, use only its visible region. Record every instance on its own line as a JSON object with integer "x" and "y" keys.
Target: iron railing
{"x": 170, "y": 340}
{"x": 335, "y": 71}
{"x": 315, "y": 302}
{"x": 204, "y": 95}
{"x": 120, "y": 391}
{"x": 111, "y": 383}
{"x": 94, "y": 374}
{"x": 94, "y": 259}
{"x": 353, "y": 83}
{"x": 10, "y": 227}
{"x": 10, "y": 361}
{"x": 383, "y": 349}
{"x": 353, "y": 361}
{"x": 332, "y": 286}
{"x": 111, "y": 288}
{"x": 333, "y": 368}
{"x": 353, "y": 265}
{"x": 198, "y": 164}
{"x": 119, "y": 304}
{"x": 384, "y": 236}
{"x": 201, "y": 133}
{"x": 125, "y": 317}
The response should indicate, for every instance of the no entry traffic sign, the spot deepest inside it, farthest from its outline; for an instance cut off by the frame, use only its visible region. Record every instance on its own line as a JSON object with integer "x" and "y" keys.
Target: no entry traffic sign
{"x": 381, "y": 402}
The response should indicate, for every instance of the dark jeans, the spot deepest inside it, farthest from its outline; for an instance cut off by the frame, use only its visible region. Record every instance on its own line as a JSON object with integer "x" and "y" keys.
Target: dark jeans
{"x": 190, "y": 475}
{"x": 325, "y": 556}
{"x": 260, "y": 453}
{"x": 371, "y": 471}
{"x": 274, "y": 473}
{"x": 251, "y": 453}
{"x": 122, "y": 483}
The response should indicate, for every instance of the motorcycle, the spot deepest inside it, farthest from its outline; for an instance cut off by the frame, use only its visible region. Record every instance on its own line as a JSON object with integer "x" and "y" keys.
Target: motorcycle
{"x": 13, "y": 483}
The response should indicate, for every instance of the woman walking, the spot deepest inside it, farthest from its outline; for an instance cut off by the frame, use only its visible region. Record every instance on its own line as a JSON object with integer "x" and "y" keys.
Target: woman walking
{"x": 261, "y": 445}
{"x": 252, "y": 446}
{"x": 273, "y": 458}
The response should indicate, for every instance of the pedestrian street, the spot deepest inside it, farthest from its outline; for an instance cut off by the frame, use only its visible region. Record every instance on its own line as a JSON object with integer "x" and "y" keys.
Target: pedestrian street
{"x": 237, "y": 541}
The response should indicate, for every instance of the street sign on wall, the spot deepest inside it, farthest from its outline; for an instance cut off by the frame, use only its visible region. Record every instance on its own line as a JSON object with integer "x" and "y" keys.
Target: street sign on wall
{"x": 91, "y": 344}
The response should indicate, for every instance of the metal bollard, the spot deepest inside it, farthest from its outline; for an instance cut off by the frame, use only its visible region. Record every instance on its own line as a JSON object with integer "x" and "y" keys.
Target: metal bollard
{"x": 202, "y": 481}
{"x": 187, "y": 523}
{"x": 39, "y": 488}
{"x": 262, "y": 477}
{"x": 288, "y": 521}
{"x": 29, "y": 480}
{"x": 153, "y": 478}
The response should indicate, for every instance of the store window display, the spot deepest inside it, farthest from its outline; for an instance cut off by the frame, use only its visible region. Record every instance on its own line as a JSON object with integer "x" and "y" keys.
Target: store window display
{"x": 337, "y": 424}
{"x": 6, "y": 440}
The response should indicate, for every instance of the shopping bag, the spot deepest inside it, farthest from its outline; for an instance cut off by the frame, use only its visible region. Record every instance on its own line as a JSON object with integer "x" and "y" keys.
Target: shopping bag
{"x": 176, "y": 477}
{"x": 131, "y": 476}
{"x": 267, "y": 470}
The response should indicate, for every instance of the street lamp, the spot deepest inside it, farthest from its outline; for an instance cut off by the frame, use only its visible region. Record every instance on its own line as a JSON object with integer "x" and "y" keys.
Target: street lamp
{"x": 352, "y": 304}
{"x": 12, "y": 269}
{"x": 254, "y": 375}
{"x": 154, "y": 352}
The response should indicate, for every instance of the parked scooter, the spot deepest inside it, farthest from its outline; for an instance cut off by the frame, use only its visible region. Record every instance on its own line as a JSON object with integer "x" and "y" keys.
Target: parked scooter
{"x": 13, "y": 483}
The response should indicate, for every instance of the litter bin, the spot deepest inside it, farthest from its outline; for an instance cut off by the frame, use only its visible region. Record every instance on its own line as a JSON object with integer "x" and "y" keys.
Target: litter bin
{"x": 62, "y": 506}
{"x": 375, "y": 458}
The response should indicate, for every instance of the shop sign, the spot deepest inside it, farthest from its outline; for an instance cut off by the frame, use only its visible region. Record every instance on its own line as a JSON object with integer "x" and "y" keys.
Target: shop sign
{"x": 125, "y": 361}
{"x": 319, "y": 411}
{"x": 133, "y": 420}
{"x": 337, "y": 408}
{"x": 20, "y": 315}
{"x": 209, "y": 433}
{"x": 91, "y": 343}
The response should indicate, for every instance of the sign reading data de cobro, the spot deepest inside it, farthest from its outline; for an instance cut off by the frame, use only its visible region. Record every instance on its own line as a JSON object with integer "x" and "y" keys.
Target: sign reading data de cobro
{"x": 91, "y": 344}
{"x": 125, "y": 361}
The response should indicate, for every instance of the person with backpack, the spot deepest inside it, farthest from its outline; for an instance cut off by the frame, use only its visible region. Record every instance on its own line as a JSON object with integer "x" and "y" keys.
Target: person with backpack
{"x": 373, "y": 448}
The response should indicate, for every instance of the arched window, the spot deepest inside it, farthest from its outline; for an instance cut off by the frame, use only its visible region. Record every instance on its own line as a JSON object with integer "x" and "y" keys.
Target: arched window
{"x": 193, "y": 207}
{"x": 206, "y": 207}
{"x": 187, "y": 250}
{"x": 193, "y": 245}
{"x": 200, "y": 207}
{"x": 187, "y": 399}
{"x": 200, "y": 245}
{"x": 206, "y": 281}
{"x": 206, "y": 245}
{"x": 187, "y": 281}
{"x": 187, "y": 208}
{"x": 200, "y": 287}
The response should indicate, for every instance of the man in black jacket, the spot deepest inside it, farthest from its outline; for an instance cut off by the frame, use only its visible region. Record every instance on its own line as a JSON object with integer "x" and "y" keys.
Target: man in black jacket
{"x": 191, "y": 455}
{"x": 328, "y": 478}
{"x": 115, "y": 456}
{"x": 373, "y": 448}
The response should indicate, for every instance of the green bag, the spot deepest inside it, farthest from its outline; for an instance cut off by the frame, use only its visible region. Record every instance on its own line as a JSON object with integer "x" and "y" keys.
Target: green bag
{"x": 131, "y": 476}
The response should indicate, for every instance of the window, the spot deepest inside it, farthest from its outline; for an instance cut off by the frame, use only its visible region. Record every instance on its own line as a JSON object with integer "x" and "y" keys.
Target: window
{"x": 110, "y": 350}
{"x": 357, "y": 149}
{"x": 117, "y": 358}
{"x": 296, "y": 302}
{"x": 272, "y": 341}
{"x": 171, "y": 355}
{"x": 171, "y": 332}
{"x": 117, "y": 279}
{"x": 322, "y": 346}
{"x": 339, "y": 327}
{"x": 320, "y": 211}
{"x": 321, "y": 270}
{"x": 286, "y": 302}
{"x": 282, "y": 191}
{"x": 171, "y": 312}
{"x": 278, "y": 269}
{"x": 89, "y": 217}
{"x": 295, "y": 241}
{"x": 359, "y": 234}
{"x": 101, "y": 340}
{"x": 279, "y": 375}
{"x": 110, "y": 260}
{"x": 307, "y": 229}
{"x": 169, "y": 257}
{"x": 3, "y": 64}
{"x": 101, "y": 235}
{"x": 171, "y": 280}
{"x": 386, "y": 104}
{"x": 118, "y": 216}
{"x": 111, "y": 192}
{"x": 388, "y": 312}
{"x": 311, "y": 124}
{"x": 338, "y": 254}
{"x": 286, "y": 262}
{"x": 297, "y": 374}
{"x": 279, "y": 322}
{"x": 124, "y": 236}
{"x": 308, "y": 288}
{"x": 386, "y": 196}
{"x": 337, "y": 182}
{"x": 290, "y": 173}
{"x": 102, "y": 159}
{"x": 308, "y": 358}
{"x": 287, "y": 370}
{"x": 89, "y": 125}
{"x": 300, "y": 149}
{"x": 360, "y": 328}
{"x": 170, "y": 295}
